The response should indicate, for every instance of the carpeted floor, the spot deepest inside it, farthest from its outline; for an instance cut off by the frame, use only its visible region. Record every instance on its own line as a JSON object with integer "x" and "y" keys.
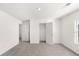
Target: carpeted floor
{"x": 42, "y": 49}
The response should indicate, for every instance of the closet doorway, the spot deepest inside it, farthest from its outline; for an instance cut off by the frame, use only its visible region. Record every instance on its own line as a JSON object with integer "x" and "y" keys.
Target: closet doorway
{"x": 25, "y": 31}
{"x": 43, "y": 32}
{"x": 46, "y": 34}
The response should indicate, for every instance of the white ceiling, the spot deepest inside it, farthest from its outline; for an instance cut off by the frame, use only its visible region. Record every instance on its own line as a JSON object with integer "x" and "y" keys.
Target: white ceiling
{"x": 29, "y": 10}
{"x": 25, "y": 11}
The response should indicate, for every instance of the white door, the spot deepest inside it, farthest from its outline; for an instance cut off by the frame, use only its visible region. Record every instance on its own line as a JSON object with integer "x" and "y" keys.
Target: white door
{"x": 42, "y": 32}
{"x": 25, "y": 31}
{"x": 49, "y": 36}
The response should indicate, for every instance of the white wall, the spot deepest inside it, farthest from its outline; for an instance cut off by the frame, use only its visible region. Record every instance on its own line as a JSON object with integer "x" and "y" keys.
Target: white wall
{"x": 9, "y": 32}
{"x": 56, "y": 30}
{"x": 34, "y": 32}
{"x": 68, "y": 31}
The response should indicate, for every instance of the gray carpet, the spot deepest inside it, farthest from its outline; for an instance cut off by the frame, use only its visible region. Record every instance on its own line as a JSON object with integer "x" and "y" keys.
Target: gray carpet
{"x": 42, "y": 49}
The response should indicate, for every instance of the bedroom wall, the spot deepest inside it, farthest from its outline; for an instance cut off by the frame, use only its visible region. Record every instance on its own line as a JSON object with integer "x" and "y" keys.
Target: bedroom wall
{"x": 68, "y": 31}
{"x": 55, "y": 29}
{"x": 34, "y": 32}
{"x": 9, "y": 32}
